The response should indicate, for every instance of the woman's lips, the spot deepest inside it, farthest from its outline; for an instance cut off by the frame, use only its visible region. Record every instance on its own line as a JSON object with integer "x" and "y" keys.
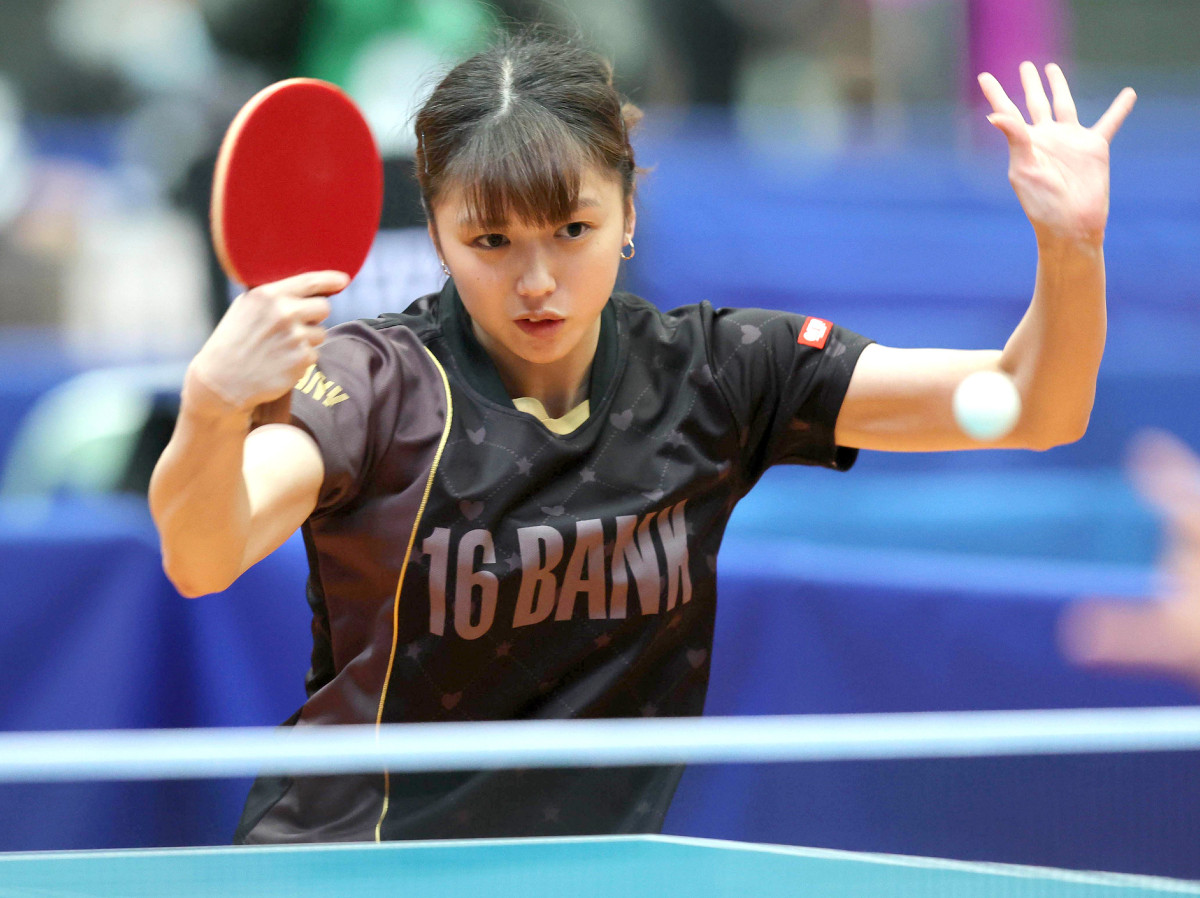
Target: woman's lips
{"x": 543, "y": 329}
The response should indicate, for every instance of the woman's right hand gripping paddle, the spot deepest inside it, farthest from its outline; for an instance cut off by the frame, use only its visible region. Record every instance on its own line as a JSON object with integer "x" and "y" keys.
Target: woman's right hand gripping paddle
{"x": 261, "y": 347}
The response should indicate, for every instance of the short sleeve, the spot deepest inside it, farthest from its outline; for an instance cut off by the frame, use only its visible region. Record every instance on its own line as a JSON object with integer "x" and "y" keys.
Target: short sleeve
{"x": 349, "y": 402}
{"x": 784, "y": 376}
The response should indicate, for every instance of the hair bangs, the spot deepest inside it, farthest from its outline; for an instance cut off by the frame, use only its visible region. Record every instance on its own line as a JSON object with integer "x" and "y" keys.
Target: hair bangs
{"x": 523, "y": 166}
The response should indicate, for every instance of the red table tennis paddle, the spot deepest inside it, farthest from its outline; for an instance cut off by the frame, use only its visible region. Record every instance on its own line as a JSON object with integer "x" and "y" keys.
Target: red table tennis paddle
{"x": 298, "y": 187}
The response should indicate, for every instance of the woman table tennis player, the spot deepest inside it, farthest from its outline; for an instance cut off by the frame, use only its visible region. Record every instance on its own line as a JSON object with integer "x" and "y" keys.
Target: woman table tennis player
{"x": 513, "y": 493}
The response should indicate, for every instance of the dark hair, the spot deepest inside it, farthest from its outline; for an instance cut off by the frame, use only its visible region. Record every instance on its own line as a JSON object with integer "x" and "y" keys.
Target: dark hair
{"x": 516, "y": 125}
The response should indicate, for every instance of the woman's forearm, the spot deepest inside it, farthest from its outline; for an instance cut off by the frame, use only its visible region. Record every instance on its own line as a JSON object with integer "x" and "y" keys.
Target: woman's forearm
{"x": 198, "y": 494}
{"x": 1054, "y": 354}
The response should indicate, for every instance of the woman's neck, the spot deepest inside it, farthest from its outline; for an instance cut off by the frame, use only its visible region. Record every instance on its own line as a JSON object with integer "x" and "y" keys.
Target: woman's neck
{"x": 559, "y": 386}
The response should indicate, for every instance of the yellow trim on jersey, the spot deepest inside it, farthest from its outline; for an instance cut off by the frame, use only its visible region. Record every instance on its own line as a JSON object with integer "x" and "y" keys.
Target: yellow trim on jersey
{"x": 568, "y": 423}
{"x": 412, "y": 538}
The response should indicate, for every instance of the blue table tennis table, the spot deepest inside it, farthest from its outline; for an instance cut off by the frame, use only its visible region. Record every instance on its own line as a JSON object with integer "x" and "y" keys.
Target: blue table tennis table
{"x": 586, "y": 867}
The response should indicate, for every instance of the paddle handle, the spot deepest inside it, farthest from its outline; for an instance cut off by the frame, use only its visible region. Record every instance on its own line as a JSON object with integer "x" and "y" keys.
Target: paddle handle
{"x": 277, "y": 411}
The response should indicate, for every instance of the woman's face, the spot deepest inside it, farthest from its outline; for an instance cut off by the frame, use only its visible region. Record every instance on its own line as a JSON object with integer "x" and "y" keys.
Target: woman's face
{"x": 535, "y": 292}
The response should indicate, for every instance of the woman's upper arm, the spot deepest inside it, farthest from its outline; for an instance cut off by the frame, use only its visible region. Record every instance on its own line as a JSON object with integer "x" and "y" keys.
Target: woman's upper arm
{"x": 901, "y": 400}
{"x": 283, "y": 471}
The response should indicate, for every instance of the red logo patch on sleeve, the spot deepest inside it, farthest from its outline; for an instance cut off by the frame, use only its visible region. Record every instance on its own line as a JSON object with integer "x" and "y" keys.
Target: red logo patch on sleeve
{"x": 815, "y": 332}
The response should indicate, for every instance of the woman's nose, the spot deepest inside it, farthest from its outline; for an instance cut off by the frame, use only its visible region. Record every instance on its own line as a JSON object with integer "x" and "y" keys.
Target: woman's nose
{"x": 536, "y": 278}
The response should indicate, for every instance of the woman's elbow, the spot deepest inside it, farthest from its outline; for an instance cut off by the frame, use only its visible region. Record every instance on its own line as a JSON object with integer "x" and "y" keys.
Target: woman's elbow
{"x": 192, "y": 584}
{"x": 1060, "y": 432}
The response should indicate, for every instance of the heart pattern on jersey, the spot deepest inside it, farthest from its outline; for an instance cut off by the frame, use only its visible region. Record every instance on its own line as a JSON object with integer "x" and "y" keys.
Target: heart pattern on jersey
{"x": 623, "y": 420}
{"x": 476, "y": 436}
{"x": 450, "y": 700}
{"x": 750, "y": 334}
{"x": 553, "y": 511}
{"x": 470, "y": 510}
{"x": 653, "y": 495}
{"x": 697, "y": 657}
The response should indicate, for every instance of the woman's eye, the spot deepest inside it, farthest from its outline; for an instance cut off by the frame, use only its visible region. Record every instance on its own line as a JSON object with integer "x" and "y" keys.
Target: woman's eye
{"x": 491, "y": 241}
{"x": 576, "y": 229}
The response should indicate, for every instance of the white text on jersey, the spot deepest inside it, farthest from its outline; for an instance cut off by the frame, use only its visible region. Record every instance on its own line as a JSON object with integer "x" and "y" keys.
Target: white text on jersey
{"x": 603, "y": 561}
{"x": 314, "y": 383}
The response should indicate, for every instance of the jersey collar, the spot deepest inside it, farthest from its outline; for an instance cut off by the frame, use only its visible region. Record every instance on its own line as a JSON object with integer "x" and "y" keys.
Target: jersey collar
{"x": 481, "y": 372}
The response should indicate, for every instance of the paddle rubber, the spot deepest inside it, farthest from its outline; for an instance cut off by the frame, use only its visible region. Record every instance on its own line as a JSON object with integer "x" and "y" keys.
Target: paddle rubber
{"x": 298, "y": 187}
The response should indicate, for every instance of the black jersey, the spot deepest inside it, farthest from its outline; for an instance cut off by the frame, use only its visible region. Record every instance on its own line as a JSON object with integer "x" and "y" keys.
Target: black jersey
{"x": 466, "y": 563}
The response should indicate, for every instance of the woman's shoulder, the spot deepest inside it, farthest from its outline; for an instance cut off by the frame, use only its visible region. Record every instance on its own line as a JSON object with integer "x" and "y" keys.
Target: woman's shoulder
{"x": 387, "y": 340}
{"x": 419, "y": 320}
{"x": 421, "y": 317}
{"x": 692, "y": 323}
{"x": 636, "y": 308}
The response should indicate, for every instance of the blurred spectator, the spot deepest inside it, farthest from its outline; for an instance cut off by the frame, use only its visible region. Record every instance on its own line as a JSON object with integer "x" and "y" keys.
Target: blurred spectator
{"x": 28, "y": 287}
{"x": 263, "y": 33}
{"x": 706, "y": 40}
{"x": 48, "y": 78}
{"x": 816, "y": 68}
{"x": 111, "y": 90}
{"x": 1162, "y": 633}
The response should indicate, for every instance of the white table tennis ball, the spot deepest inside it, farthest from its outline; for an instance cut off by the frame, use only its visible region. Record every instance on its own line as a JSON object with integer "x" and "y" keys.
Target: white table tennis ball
{"x": 987, "y": 405}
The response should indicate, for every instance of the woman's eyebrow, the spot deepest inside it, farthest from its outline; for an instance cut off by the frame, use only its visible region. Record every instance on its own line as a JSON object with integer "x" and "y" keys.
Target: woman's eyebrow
{"x": 468, "y": 222}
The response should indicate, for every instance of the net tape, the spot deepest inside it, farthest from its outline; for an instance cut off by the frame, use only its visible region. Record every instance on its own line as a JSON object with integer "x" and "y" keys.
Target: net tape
{"x": 306, "y": 750}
